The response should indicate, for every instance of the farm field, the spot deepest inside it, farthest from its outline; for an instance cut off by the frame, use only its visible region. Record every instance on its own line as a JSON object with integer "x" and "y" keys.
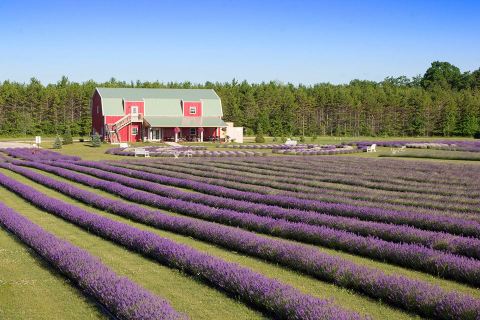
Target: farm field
{"x": 288, "y": 237}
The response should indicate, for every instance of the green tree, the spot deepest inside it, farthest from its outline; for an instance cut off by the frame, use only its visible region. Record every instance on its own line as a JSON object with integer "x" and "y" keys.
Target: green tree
{"x": 96, "y": 141}
{"x": 259, "y": 138}
{"x": 442, "y": 74}
{"x": 67, "y": 136}
{"x": 57, "y": 144}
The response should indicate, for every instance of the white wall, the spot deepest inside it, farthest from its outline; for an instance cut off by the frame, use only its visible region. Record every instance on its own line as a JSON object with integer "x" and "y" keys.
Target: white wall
{"x": 233, "y": 132}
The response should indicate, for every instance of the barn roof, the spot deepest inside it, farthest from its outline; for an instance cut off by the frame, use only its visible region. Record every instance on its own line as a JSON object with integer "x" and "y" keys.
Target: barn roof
{"x": 160, "y": 102}
{"x": 187, "y": 122}
{"x": 146, "y": 93}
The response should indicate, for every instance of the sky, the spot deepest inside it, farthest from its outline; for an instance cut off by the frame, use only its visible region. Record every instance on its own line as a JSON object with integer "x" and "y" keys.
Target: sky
{"x": 303, "y": 42}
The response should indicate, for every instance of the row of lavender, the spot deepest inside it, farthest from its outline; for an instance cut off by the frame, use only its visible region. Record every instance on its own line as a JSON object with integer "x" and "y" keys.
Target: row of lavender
{"x": 317, "y": 152}
{"x": 183, "y": 152}
{"x": 454, "y": 145}
{"x": 277, "y": 146}
{"x": 268, "y": 295}
{"x": 35, "y": 154}
{"x": 301, "y": 149}
{"x": 414, "y": 296}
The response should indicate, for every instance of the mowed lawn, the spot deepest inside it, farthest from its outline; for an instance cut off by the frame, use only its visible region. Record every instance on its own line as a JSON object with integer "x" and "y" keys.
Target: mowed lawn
{"x": 31, "y": 289}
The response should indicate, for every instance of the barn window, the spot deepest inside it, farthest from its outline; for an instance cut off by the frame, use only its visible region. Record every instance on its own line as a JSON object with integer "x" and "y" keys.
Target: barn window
{"x": 134, "y": 131}
{"x": 193, "y": 131}
{"x": 193, "y": 110}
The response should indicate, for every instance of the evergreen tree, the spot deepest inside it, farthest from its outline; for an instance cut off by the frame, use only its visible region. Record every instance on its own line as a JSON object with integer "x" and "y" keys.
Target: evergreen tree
{"x": 259, "y": 138}
{"x": 57, "y": 144}
{"x": 67, "y": 136}
{"x": 96, "y": 141}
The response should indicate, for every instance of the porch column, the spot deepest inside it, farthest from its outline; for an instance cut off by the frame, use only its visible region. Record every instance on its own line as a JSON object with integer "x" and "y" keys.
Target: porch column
{"x": 176, "y": 130}
{"x": 201, "y": 134}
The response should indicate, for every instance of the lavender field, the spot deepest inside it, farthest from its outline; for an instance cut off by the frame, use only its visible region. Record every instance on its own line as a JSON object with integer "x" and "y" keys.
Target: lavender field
{"x": 279, "y": 237}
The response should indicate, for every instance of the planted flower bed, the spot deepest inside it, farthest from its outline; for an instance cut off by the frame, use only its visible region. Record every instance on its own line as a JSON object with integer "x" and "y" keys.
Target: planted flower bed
{"x": 449, "y": 145}
{"x": 194, "y": 151}
{"x": 37, "y": 154}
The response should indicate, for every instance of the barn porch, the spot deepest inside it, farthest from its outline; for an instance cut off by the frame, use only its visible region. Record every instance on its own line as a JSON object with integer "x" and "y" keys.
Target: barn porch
{"x": 177, "y": 134}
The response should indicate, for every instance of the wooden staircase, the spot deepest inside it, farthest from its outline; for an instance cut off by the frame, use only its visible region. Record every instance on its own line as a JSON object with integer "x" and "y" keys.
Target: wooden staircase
{"x": 114, "y": 129}
{"x": 112, "y": 134}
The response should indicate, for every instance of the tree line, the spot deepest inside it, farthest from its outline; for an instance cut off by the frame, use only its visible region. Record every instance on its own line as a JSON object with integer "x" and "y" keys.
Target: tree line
{"x": 442, "y": 102}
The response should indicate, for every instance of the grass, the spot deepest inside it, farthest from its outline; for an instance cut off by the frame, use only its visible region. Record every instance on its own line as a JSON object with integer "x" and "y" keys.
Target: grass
{"x": 184, "y": 293}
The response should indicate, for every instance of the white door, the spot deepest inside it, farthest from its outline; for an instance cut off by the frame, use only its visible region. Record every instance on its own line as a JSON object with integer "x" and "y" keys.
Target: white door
{"x": 134, "y": 113}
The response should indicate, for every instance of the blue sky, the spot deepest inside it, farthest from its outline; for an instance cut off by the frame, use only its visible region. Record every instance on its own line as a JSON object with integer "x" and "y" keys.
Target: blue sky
{"x": 290, "y": 41}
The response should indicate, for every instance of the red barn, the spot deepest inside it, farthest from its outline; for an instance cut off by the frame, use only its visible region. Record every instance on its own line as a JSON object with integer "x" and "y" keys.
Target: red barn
{"x": 134, "y": 114}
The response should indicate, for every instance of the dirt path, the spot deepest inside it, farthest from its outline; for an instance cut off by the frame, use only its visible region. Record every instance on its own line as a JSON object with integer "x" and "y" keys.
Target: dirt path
{"x": 4, "y": 145}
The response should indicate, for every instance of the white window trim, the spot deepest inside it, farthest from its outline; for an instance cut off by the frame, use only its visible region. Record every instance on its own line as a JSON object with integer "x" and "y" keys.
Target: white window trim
{"x": 131, "y": 109}
{"x": 134, "y": 131}
{"x": 194, "y": 108}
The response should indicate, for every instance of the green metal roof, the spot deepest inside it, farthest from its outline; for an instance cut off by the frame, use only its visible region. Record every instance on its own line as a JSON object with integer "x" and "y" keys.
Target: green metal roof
{"x": 159, "y": 102}
{"x": 185, "y": 122}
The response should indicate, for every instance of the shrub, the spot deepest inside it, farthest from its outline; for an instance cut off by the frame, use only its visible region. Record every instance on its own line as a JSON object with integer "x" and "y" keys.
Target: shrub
{"x": 314, "y": 138}
{"x": 96, "y": 142}
{"x": 259, "y": 138}
{"x": 283, "y": 139}
{"x": 67, "y": 136}
{"x": 57, "y": 144}
{"x": 302, "y": 139}
{"x": 477, "y": 135}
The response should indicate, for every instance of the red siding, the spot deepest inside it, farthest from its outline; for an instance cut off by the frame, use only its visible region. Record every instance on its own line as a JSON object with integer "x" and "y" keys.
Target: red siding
{"x": 97, "y": 114}
{"x": 127, "y": 105}
{"x": 138, "y": 136}
{"x": 192, "y": 104}
{"x": 112, "y": 119}
{"x": 126, "y": 133}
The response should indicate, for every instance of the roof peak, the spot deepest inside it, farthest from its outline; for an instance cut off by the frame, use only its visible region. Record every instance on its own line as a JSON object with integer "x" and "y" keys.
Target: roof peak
{"x": 156, "y": 93}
